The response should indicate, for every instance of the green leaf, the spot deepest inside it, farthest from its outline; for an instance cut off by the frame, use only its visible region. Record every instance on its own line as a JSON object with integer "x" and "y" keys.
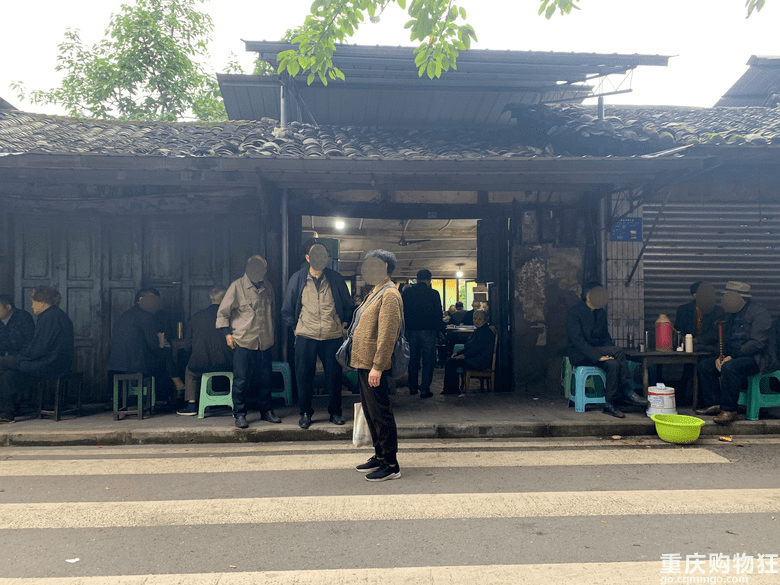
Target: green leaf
{"x": 431, "y": 69}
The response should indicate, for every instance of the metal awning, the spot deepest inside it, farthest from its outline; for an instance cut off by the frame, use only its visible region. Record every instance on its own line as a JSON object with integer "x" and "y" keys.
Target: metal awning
{"x": 382, "y": 86}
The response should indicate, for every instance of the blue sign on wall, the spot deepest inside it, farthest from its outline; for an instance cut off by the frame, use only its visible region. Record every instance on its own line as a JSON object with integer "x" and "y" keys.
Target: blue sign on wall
{"x": 626, "y": 229}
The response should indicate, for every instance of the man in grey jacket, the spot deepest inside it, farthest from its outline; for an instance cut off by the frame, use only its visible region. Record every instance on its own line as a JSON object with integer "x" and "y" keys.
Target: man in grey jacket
{"x": 748, "y": 349}
{"x": 317, "y": 306}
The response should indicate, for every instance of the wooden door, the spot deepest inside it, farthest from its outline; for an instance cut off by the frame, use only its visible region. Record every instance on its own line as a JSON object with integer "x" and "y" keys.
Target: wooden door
{"x": 65, "y": 252}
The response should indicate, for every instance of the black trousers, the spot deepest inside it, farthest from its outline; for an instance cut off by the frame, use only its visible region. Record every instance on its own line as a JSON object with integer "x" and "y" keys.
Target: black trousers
{"x": 451, "y": 378}
{"x": 723, "y": 387}
{"x": 616, "y": 370}
{"x": 306, "y": 352}
{"x": 251, "y": 373}
{"x": 422, "y": 346}
{"x": 379, "y": 416}
{"x": 12, "y": 383}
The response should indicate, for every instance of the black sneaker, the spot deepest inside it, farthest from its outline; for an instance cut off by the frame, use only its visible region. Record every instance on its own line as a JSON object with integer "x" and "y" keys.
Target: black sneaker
{"x": 6, "y": 418}
{"x": 384, "y": 473}
{"x": 190, "y": 409}
{"x": 371, "y": 465}
{"x": 241, "y": 421}
{"x": 305, "y": 421}
{"x": 412, "y": 391}
{"x": 426, "y": 394}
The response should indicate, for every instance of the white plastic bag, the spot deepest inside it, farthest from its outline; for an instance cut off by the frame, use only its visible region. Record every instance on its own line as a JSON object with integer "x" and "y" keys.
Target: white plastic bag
{"x": 361, "y": 436}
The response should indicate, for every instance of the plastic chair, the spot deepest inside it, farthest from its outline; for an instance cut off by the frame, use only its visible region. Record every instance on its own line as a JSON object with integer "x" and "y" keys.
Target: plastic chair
{"x": 61, "y": 386}
{"x": 283, "y": 368}
{"x": 138, "y": 385}
{"x": 488, "y": 375}
{"x": 754, "y": 399}
{"x": 585, "y": 390}
{"x": 208, "y": 397}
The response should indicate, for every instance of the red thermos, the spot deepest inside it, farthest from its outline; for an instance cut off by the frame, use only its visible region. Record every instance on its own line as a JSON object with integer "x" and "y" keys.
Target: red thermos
{"x": 663, "y": 333}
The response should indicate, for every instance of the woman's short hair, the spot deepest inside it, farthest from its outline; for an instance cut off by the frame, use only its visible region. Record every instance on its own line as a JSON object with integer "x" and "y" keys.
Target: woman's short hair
{"x": 216, "y": 294}
{"x": 146, "y": 291}
{"x": 386, "y": 257}
{"x": 46, "y": 294}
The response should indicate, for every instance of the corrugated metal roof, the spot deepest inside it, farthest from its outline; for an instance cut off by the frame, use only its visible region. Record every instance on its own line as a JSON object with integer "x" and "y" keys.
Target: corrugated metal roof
{"x": 758, "y": 86}
{"x": 713, "y": 243}
{"x": 382, "y": 86}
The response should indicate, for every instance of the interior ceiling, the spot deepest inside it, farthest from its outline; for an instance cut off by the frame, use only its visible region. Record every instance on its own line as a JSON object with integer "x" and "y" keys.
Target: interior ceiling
{"x": 442, "y": 246}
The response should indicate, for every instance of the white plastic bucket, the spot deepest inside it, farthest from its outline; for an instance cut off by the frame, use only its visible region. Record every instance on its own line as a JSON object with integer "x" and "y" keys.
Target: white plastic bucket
{"x": 661, "y": 400}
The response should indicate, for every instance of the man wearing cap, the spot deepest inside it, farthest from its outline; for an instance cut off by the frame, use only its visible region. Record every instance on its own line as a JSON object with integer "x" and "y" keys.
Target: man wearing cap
{"x": 423, "y": 321}
{"x": 246, "y": 317}
{"x": 317, "y": 307}
{"x": 748, "y": 349}
{"x": 590, "y": 344}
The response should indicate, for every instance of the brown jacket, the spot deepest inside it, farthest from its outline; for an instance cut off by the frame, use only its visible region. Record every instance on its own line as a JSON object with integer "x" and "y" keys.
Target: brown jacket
{"x": 377, "y": 331}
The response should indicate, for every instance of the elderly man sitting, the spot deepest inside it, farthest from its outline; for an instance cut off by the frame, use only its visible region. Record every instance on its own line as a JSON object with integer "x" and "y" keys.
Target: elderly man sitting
{"x": 748, "y": 349}
{"x": 477, "y": 354}
{"x": 17, "y": 327}
{"x": 210, "y": 353}
{"x": 49, "y": 354}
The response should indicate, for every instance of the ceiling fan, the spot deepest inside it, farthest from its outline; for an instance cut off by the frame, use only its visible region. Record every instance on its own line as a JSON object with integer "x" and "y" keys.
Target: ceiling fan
{"x": 403, "y": 241}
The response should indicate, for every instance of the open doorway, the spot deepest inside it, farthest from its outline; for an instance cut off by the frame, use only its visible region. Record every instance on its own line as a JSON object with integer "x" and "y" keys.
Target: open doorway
{"x": 446, "y": 247}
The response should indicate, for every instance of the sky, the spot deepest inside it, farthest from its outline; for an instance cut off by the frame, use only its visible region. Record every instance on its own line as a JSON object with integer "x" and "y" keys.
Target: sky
{"x": 709, "y": 41}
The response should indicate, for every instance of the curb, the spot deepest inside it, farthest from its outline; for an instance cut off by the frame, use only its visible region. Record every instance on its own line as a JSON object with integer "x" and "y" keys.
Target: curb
{"x": 563, "y": 429}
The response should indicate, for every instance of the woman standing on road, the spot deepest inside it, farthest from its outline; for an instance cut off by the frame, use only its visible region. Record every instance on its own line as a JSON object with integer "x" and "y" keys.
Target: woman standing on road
{"x": 379, "y": 325}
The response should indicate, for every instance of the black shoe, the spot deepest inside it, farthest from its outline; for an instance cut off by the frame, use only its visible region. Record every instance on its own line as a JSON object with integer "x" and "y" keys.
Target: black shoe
{"x": 426, "y": 394}
{"x": 190, "y": 409}
{"x": 271, "y": 417}
{"x": 371, "y": 465}
{"x": 305, "y": 421}
{"x": 635, "y": 399}
{"x": 412, "y": 391}
{"x": 610, "y": 409}
{"x": 384, "y": 473}
{"x": 336, "y": 419}
{"x": 241, "y": 421}
{"x": 455, "y": 391}
{"x": 6, "y": 418}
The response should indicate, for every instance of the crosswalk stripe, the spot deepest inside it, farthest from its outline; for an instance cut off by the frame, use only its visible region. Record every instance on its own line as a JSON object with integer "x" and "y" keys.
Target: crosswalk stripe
{"x": 625, "y": 573}
{"x": 407, "y": 446}
{"x": 386, "y": 507}
{"x": 239, "y": 448}
{"x": 305, "y": 461}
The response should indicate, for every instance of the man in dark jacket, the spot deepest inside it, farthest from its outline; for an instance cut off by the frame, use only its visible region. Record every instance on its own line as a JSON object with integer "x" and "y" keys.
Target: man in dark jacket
{"x": 748, "y": 349}
{"x": 137, "y": 345}
{"x": 700, "y": 318}
{"x": 590, "y": 344}
{"x": 423, "y": 320}
{"x": 49, "y": 354}
{"x": 17, "y": 327}
{"x": 317, "y": 307}
{"x": 477, "y": 354}
{"x": 208, "y": 350}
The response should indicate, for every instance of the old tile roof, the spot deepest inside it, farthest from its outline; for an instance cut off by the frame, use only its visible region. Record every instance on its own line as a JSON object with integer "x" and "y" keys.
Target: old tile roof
{"x": 563, "y": 130}
{"x": 627, "y": 130}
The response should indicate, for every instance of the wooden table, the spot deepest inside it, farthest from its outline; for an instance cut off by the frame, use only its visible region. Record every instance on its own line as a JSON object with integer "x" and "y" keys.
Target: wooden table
{"x": 660, "y": 358}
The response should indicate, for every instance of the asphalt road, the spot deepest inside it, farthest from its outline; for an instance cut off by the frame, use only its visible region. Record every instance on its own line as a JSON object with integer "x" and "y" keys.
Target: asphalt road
{"x": 479, "y": 511}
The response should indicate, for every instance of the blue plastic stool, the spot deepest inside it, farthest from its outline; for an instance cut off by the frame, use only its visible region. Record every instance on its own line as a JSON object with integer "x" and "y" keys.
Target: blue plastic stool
{"x": 284, "y": 369}
{"x": 586, "y": 387}
{"x": 210, "y": 398}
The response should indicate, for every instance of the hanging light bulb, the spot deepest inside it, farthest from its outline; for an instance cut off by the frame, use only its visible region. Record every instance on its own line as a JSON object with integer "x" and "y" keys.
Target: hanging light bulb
{"x": 340, "y": 224}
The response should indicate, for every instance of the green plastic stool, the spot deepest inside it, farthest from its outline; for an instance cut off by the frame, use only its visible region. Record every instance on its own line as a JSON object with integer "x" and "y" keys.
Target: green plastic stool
{"x": 138, "y": 385}
{"x": 283, "y": 368}
{"x": 208, "y": 397}
{"x": 754, "y": 400}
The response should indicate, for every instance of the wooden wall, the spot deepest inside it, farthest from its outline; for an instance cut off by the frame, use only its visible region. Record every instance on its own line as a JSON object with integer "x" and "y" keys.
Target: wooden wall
{"x": 98, "y": 263}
